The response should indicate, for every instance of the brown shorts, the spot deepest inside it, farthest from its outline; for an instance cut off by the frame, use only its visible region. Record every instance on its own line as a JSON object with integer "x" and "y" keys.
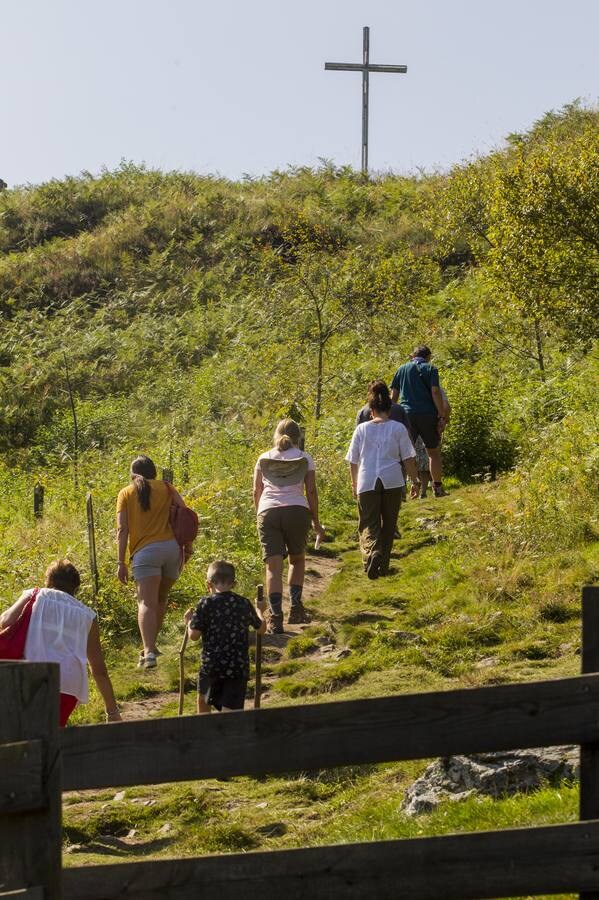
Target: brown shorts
{"x": 283, "y": 530}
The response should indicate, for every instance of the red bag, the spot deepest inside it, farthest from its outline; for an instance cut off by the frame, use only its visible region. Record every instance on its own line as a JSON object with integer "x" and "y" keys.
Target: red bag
{"x": 13, "y": 637}
{"x": 184, "y": 522}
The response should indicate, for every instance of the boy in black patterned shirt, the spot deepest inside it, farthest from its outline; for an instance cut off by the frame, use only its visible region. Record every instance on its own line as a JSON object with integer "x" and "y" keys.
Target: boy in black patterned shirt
{"x": 222, "y": 619}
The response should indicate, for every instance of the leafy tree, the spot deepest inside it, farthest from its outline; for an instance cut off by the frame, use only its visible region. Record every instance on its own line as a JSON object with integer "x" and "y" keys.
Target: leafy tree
{"x": 545, "y": 231}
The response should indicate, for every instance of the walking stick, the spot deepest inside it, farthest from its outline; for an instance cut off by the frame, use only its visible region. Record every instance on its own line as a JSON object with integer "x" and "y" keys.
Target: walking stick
{"x": 182, "y": 670}
{"x": 258, "y": 688}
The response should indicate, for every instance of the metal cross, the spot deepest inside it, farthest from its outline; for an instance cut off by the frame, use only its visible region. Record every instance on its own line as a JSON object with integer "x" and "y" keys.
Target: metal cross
{"x": 365, "y": 69}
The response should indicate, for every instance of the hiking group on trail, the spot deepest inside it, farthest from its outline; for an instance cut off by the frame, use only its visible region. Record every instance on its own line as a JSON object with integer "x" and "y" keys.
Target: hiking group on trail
{"x": 391, "y": 440}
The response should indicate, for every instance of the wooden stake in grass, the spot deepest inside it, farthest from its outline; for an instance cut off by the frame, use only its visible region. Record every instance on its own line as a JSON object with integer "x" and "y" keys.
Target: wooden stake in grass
{"x": 75, "y": 425}
{"x": 258, "y": 688}
{"x": 185, "y": 466}
{"x": 38, "y": 501}
{"x": 182, "y": 670}
{"x": 91, "y": 543}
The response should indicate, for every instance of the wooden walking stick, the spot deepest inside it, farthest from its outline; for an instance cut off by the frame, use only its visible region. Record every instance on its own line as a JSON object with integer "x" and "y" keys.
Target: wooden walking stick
{"x": 182, "y": 670}
{"x": 258, "y": 688}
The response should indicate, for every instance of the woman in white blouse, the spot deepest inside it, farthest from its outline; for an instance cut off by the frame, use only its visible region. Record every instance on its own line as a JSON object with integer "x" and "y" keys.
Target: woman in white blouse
{"x": 375, "y": 454}
{"x": 64, "y": 630}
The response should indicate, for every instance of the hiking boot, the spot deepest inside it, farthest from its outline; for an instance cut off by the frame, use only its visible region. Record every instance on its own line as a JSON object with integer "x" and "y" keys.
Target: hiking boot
{"x": 374, "y": 566}
{"x": 275, "y": 623}
{"x": 438, "y": 490}
{"x": 422, "y": 494}
{"x": 298, "y": 615}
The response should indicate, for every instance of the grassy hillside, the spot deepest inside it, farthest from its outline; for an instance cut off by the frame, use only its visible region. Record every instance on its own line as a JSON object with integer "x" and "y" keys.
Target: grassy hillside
{"x": 189, "y": 313}
{"x": 456, "y": 611}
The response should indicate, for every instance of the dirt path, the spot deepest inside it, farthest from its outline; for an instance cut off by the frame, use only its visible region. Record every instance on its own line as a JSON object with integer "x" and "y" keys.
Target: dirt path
{"x": 319, "y": 572}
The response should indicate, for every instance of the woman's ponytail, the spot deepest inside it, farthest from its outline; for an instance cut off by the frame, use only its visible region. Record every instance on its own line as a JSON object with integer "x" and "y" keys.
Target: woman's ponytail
{"x": 379, "y": 399}
{"x": 143, "y": 469}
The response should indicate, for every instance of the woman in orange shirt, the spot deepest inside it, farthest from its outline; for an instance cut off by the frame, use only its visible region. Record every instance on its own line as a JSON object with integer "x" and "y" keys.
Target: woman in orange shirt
{"x": 143, "y": 522}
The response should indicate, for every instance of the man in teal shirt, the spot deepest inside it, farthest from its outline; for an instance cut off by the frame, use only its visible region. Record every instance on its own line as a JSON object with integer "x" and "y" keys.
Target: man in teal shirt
{"x": 416, "y": 384}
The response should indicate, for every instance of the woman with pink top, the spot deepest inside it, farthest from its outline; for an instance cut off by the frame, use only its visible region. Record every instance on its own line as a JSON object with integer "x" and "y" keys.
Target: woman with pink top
{"x": 286, "y": 502}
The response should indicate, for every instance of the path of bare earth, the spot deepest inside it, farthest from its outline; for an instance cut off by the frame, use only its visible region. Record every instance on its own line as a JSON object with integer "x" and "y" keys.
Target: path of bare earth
{"x": 319, "y": 572}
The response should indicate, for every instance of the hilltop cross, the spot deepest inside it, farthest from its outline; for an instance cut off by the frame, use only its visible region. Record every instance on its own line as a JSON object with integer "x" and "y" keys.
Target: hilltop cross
{"x": 366, "y": 68}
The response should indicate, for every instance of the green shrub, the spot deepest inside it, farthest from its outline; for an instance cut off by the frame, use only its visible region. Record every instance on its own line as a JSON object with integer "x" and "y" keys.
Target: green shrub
{"x": 477, "y": 441}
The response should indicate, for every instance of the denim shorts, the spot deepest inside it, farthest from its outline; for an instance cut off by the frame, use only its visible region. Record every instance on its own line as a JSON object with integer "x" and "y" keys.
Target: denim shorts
{"x": 160, "y": 558}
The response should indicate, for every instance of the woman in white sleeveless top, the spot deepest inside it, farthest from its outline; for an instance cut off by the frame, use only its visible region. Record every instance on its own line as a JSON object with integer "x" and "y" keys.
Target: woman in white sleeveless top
{"x": 63, "y": 630}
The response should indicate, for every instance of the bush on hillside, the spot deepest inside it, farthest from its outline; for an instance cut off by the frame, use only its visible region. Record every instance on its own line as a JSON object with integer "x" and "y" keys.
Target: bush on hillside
{"x": 477, "y": 441}
{"x": 559, "y": 478}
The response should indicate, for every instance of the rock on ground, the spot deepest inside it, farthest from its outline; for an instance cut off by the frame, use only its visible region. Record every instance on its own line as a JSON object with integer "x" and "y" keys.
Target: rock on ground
{"x": 491, "y": 774}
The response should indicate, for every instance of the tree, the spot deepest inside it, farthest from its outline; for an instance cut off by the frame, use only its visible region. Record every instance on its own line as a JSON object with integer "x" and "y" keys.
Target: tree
{"x": 545, "y": 232}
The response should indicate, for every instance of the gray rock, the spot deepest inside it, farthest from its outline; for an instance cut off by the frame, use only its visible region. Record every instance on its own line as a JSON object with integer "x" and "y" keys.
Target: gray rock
{"x": 487, "y": 662}
{"x": 491, "y": 774}
{"x": 405, "y": 637}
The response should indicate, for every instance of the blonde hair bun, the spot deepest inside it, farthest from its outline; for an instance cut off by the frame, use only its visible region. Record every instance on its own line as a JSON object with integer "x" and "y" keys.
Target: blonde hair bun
{"x": 287, "y": 434}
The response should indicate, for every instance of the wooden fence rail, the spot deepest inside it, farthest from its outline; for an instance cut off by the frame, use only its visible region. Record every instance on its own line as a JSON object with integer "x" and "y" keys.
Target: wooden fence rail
{"x": 34, "y": 756}
{"x": 456, "y": 867}
{"x": 323, "y": 735}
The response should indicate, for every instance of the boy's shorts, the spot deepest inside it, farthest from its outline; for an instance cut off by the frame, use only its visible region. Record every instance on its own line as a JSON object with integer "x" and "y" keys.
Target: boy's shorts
{"x": 219, "y": 692}
{"x": 283, "y": 530}
{"x": 159, "y": 558}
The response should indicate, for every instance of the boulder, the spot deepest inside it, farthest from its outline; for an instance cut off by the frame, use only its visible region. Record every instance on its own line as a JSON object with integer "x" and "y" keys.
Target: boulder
{"x": 491, "y": 774}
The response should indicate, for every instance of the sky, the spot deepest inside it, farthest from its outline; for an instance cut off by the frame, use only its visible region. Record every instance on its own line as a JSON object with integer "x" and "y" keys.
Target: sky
{"x": 234, "y": 87}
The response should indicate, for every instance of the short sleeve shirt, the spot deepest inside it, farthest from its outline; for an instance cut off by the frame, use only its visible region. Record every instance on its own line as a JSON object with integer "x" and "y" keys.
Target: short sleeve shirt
{"x": 378, "y": 448}
{"x": 224, "y": 620}
{"x": 290, "y": 493}
{"x": 414, "y": 382}
{"x": 397, "y": 413}
{"x": 146, "y": 525}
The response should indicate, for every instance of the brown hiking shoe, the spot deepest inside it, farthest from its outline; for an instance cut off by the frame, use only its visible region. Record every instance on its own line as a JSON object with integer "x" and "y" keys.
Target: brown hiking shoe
{"x": 298, "y": 615}
{"x": 374, "y": 565}
{"x": 275, "y": 623}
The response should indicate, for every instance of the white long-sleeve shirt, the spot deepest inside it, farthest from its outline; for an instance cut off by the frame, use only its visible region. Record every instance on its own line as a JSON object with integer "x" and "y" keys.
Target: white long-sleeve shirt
{"x": 378, "y": 448}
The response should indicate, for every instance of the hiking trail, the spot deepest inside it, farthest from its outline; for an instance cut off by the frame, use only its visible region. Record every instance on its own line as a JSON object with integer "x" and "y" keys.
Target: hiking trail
{"x": 319, "y": 572}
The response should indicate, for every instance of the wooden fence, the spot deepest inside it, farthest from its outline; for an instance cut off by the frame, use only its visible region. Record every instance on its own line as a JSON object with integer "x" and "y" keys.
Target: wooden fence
{"x": 38, "y": 760}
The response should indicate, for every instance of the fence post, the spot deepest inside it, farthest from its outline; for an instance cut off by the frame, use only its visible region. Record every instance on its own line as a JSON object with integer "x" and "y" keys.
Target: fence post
{"x": 30, "y": 836}
{"x": 589, "y": 753}
{"x": 258, "y": 656}
{"x": 38, "y": 501}
{"x": 185, "y": 467}
{"x": 91, "y": 543}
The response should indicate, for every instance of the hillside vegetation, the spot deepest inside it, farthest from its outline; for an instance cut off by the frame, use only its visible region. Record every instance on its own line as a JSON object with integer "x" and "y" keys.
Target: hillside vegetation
{"x": 194, "y": 311}
{"x": 189, "y": 313}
